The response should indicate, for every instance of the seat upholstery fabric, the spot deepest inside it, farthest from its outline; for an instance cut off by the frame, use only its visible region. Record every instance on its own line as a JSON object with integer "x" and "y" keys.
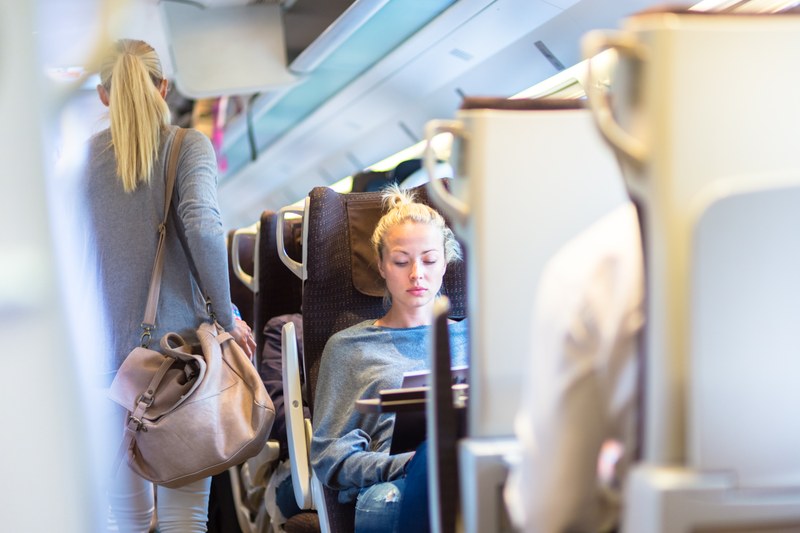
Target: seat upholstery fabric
{"x": 279, "y": 291}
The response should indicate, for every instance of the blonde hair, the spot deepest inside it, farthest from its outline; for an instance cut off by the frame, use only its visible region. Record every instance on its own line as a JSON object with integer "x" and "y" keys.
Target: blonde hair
{"x": 132, "y": 75}
{"x": 403, "y": 207}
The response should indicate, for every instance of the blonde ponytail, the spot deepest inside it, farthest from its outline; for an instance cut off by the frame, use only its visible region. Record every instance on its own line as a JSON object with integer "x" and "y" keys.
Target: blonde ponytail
{"x": 138, "y": 114}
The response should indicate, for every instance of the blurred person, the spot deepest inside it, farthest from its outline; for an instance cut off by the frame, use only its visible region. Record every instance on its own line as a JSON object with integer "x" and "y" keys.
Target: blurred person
{"x": 576, "y": 419}
{"x": 272, "y": 374}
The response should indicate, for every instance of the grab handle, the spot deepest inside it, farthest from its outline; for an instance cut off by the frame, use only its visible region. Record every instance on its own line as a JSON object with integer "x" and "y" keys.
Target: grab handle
{"x": 295, "y": 266}
{"x": 248, "y": 280}
{"x": 451, "y": 206}
{"x": 621, "y": 140}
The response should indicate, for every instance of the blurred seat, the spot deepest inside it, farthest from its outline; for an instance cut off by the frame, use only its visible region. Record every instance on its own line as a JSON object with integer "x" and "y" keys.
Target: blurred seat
{"x": 530, "y": 175}
{"x": 716, "y": 178}
{"x": 720, "y": 450}
{"x": 269, "y": 288}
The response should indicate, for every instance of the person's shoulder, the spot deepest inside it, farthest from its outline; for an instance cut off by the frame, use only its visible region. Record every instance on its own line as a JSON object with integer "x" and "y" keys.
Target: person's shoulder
{"x": 355, "y": 331}
{"x": 612, "y": 241}
{"x": 100, "y": 141}
{"x": 100, "y": 136}
{"x": 596, "y": 276}
{"x": 196, "y": 136}
{"x": 194, "y": 141}
{"x": 100, "y": 152}
{"x": 353, "y": 336}
{"x": 196, "y": 151}
{"x": 346, "y": 346}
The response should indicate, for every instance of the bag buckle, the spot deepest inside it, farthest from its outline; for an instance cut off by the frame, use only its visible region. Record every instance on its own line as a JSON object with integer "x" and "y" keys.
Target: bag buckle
{"x": 210, "y": 310}
{"x": 137, "y": 424}
{"x": 146, "y": 398}
{"x": 146, "y": 335}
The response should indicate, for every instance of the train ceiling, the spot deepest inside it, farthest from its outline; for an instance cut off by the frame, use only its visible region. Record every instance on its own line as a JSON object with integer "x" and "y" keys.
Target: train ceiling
{"x": 374, "y": 72}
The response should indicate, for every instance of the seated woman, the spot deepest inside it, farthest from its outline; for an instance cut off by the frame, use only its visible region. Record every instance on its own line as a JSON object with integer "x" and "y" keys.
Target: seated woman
{"x": 350, "y": 450}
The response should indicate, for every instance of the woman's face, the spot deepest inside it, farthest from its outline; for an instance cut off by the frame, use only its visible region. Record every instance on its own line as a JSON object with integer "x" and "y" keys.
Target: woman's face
{"x": 413, "y": 265}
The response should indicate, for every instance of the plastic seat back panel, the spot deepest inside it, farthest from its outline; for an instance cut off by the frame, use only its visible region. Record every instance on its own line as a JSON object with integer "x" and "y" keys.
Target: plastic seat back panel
{"x": 744, "y": 368}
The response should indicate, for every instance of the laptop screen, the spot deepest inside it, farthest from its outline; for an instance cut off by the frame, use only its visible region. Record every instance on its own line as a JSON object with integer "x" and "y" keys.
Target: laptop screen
{"x": 409, "y": 425}
{"x": 421, "y": 378}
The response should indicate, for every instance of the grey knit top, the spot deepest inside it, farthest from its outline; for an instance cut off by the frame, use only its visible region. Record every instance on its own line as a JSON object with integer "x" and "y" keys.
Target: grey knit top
{"x": 122, "y": 237}
{"x": 350, "y": 450}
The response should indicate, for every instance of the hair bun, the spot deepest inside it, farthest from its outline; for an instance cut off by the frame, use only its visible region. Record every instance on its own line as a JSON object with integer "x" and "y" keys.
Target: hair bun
{"x": 395, "y": 197}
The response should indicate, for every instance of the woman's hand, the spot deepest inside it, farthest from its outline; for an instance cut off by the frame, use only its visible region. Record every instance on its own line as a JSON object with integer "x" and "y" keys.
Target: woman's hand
{"x": 243, "y": 336}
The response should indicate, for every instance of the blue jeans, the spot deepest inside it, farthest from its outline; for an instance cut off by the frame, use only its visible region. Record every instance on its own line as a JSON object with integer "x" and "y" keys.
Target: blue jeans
{"x": 284, "y": 498}
{"x": 399, "y": 506}
{"x": 378, "y": 507}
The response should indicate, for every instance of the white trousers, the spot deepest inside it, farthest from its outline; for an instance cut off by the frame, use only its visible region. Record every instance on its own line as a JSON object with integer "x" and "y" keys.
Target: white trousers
{"x": 133, "y": 499}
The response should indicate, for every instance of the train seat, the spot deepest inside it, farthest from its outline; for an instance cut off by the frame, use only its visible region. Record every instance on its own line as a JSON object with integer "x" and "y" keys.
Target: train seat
{"x": 273, "y": 291}
{"x": 281, "y": 291}
{"x": 729, "y": 457}
{"x": 720, "y": 255}
{"x": 342, "y": 287}
{"x": 255, "y": 258}
{"x": 541, "y": 168}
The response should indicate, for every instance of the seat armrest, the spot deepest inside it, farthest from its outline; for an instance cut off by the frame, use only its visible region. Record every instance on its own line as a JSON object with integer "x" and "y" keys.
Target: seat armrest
{"x": 298, "y": 268}
{"x": 250, "y": 281}
{"x": 298, "y": 435}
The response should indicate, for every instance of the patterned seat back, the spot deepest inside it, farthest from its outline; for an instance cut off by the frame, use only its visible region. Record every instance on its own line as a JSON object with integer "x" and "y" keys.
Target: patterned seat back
{"x": 279, "y": 290}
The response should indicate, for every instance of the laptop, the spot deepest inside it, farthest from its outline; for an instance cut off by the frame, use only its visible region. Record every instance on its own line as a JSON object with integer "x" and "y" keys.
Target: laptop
{"x": 409, "y": 422}
{"x": 421, "y": 378}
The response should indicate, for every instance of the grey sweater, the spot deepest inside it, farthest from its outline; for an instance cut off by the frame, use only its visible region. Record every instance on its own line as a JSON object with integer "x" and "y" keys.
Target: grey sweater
{"x": 349, "y": 450}
{"x": 122, "y": 236}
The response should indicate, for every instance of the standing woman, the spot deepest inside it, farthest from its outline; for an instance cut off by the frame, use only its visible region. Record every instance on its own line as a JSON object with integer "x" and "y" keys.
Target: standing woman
{"x": 124, "y": 191}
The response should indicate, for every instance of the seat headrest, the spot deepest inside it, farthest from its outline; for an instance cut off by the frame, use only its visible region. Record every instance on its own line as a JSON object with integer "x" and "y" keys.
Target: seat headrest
{"x": 363, "y": 211}
{"x": 362, "y": 217}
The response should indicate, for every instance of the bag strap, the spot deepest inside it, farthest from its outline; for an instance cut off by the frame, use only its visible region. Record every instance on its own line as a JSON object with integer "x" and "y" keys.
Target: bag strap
{"x": 149, "y": 322}
{"x": 134, "y": 420}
